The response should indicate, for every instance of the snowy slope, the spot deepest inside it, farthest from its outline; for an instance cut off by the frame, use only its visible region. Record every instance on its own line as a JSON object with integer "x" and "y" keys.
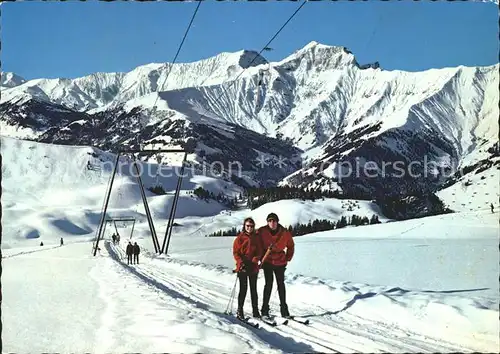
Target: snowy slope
{"x": 61, "y": 196}
{"x": 474, "y": 191}
{"x": 435, "y": 253}
{"x": 106, "y": 305}
{"x": 420, "y": 285}
{"x": 290, "y": 211}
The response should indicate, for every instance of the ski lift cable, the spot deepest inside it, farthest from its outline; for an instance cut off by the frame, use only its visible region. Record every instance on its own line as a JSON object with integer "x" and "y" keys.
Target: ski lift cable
{"x": 179, "y": 49}
{"x": 267, "y": 45}
{"x": 120, "y": 194}
{"x": 168, "y": 72}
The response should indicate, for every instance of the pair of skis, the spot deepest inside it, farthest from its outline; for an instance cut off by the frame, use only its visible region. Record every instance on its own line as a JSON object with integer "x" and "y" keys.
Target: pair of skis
{"x": 304, "y": 322}
{"x": 271, "y": 321}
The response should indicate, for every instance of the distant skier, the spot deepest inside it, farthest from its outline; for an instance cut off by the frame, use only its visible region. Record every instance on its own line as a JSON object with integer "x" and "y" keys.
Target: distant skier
{"x": 62, "y": 241}
{"x": 136, "y": 250}
{"x": 129, "y": 251}
{"x": 41, "y": 243}
{"x": 492, "y": 208}
{"x": 113, "y": 237}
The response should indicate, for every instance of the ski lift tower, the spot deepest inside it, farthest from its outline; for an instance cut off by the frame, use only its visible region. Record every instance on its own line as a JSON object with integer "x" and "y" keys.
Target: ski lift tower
{"x": 188, "y": 149}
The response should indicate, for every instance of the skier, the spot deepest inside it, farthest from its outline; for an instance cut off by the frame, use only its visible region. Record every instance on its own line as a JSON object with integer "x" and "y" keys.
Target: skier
{"x": 136, "y": 250}
{"x": 113, "y": 237}
{"x": 275, "y": 238}
{"x": 129, "y": 251}
{"x": 62, "y": 242}
{"x": 247, "y": 252}
{"x": 41, "y": 243}
{"x": 492, "y": 208}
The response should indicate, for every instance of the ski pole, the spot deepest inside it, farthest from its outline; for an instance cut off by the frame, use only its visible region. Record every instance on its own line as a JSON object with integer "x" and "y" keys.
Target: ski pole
{"x": 265, "y": 255}
{"x": 229, "y": 307}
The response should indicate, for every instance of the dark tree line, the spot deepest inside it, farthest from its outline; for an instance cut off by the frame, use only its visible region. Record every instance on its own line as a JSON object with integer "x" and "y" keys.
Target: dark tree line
{"x": 316, "y": 225}
{"x": 230, "y": 232}
{"x": 221, "y": 197}
{"x": 261, "y": 196}
{"x": 412, "y": 206}
{"x": 400, "y": 205}
{"x": 159, "y": 190}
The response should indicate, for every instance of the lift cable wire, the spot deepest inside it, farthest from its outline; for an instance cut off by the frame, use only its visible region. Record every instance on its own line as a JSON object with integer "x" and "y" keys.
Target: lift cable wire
{"x": 266, "y": 47}
{"x": 178, "y": 49}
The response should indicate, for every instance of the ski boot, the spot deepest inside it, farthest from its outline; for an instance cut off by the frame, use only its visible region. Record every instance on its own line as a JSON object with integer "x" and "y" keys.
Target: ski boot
{"x": 264, "y": 312}
{"x": 284, "y": 311}
{"x": 255, "y": 313}
{"x": 240, "y": 314}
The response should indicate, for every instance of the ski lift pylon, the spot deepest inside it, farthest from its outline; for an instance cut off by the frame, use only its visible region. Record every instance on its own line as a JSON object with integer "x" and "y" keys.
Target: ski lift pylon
{"x": 168, "y": 232}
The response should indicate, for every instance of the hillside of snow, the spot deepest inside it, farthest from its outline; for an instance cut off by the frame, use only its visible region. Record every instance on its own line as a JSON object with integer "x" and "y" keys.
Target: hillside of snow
{"x": 449, "y": 249}
{"x": 63, "y": 189}
{"x": 407, "y": 286}
{"x": 428, "y": 284}
{"x": 62, "y": 196}
{"x": 106, "y": 305}
{"x": 475, "y": 191}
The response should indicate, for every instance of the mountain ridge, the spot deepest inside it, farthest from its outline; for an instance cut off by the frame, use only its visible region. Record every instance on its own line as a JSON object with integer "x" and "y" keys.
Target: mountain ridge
{"x": 311, "y": 100}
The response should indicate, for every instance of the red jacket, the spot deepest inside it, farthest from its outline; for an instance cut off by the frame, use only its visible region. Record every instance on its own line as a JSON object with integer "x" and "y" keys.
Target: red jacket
{"x": 247, "y": 248}
{"x": 281, "y": 240}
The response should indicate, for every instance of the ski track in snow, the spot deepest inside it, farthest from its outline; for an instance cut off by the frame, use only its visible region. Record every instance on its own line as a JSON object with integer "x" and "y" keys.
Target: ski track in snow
{"x": 48, "y": 301}
{"x": 105, "y": 339}
{"x": 170, "y": 320}
{"x": 328, "y": 332}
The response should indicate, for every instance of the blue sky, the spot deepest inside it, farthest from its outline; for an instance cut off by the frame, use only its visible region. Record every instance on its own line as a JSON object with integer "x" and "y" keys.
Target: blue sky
{"x": 72, "y": 39}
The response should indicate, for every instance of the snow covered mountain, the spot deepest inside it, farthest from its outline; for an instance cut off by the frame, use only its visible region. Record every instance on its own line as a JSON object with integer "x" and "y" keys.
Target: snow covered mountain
{"x": 11, "y": 80}
{"x": 105, "y": 90}
{"x": 318, "y": 106}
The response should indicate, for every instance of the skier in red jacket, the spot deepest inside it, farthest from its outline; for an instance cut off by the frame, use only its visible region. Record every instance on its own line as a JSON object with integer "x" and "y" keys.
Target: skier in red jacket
{"x": 247, "y": 253}
{"x": 275, "y": 238}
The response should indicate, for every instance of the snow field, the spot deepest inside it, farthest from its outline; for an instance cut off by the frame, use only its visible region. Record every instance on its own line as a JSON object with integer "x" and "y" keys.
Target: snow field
{"x": 427, "y": 284}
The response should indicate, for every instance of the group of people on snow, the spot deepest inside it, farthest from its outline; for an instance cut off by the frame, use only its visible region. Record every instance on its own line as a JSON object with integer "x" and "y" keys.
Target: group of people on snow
{"x": 132, "y": 250}
{"x": 115, "y": 238}
{"x": 269, "y": 248}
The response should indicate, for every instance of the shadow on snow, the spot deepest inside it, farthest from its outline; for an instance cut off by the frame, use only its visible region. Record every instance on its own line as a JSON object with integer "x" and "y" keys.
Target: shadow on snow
{"x": 278, "y": 341}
